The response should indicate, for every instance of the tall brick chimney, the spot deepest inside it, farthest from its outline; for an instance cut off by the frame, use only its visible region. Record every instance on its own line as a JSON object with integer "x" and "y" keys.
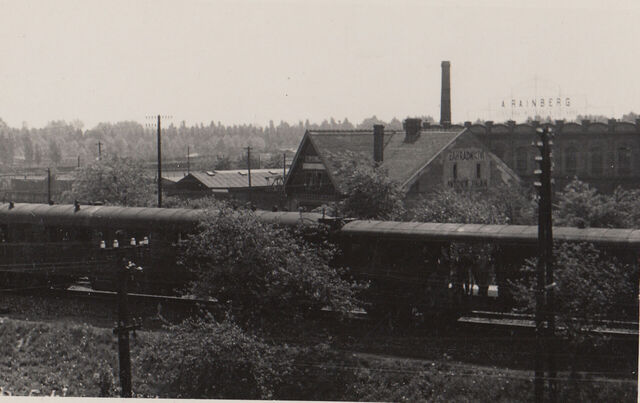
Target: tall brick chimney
{"x": 445, "y": 99}
{"x": 378, "y": 144}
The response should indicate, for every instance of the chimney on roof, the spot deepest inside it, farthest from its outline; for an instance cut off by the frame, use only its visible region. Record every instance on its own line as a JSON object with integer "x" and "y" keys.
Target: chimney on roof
{"x": 378, "y": 144}
{"x": 412, "y": 128}
{"x": 445, "y": 99}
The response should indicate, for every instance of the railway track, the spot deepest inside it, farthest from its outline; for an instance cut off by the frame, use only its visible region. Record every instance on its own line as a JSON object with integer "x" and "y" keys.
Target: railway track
{"x": 475, "y": 319}
{"x": 522, "y": 321}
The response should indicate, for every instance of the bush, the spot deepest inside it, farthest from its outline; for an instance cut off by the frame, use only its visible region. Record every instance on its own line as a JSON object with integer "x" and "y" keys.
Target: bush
{"x": 590, "y": 287}
{"x": 205, "y": 359}
{"x": 579, "y": 205}
{"x": 113, "y": 181}
{"x": 507, "y": 204}
{"x": 265, "y": 273}
{"x": 368, "y": 190}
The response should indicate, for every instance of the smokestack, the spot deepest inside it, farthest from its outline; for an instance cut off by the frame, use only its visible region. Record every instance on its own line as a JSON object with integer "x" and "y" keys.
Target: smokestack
{"x": 445, "y": 99}
{"x": 412, "y": 128}
{"x": 378, "y": 144}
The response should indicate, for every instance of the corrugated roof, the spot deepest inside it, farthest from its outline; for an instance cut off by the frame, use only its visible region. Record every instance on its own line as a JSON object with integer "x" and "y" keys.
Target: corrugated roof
{"x": 236, "y": 178}
{"x": 402, "y": 159}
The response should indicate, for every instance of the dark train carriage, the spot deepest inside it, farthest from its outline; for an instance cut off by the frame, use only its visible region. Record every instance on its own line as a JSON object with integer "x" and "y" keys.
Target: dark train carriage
{"x": 62, "y": 242}
{"x": 427, "y": 269}
{"x": 55, "y": 244}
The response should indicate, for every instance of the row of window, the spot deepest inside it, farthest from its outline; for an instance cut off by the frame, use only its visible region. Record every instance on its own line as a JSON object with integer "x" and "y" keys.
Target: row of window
{"x": 621, "y": 162}
{"x": 478, "y": 171}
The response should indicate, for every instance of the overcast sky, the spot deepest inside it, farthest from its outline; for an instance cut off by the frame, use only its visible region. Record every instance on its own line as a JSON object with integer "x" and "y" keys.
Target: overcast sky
{"x": 251, "y": 61}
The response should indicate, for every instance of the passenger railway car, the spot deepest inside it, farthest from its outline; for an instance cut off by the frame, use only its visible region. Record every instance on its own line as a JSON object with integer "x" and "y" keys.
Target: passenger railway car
{"x": 428, "y": 268}
{"x": 415, "y": 269}
{"x": 56, "y": 244}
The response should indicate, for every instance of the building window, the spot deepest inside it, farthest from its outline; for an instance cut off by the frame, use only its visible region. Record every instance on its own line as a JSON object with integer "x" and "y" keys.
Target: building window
{"x": 596, "y": 161}
{"x": 455, "y": 172}
{"x": 624, "y": 160}
{"x": 313, "y": 181}
{"x": 478, "y": 171}
{"x": 521, "y": 159}
{"x": 570, "y": 161}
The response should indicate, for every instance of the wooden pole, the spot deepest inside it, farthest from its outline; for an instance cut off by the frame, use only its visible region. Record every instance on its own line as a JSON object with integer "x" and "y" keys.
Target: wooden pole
{"x": 159, "y": 164}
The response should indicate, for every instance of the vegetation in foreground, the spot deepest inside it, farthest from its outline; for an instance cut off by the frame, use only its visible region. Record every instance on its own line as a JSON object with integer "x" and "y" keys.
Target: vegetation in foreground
{"x": 80, "y": 360}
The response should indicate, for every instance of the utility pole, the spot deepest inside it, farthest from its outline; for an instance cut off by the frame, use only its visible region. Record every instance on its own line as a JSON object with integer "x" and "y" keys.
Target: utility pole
{"x": 284, "y": 168}
{"x": 159, "y": 127}
{"x": 188, "y": 162}
{"x": 49, "y": 186}
{"x": 78, "y": 161}
{"x": 159, "y": 164}
{"x": 125, "y": 270}
{"x": 544, "y": 270}
{"x": 99, "y": 151}
{"x": 249, "y": 172}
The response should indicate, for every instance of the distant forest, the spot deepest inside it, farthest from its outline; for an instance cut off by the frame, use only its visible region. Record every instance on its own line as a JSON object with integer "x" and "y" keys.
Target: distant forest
{"x": 62, "y": 143}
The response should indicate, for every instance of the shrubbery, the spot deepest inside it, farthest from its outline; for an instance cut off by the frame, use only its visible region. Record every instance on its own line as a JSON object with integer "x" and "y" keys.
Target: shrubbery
{"x": 266, "y": 274}
{"x": 590, "y": 287}
{"x": 205, "y": 359}
{"x": 208, "y": 359}
{"x": 112, "y": 181}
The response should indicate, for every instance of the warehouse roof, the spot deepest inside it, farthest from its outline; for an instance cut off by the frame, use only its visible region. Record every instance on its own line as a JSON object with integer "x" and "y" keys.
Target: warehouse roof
{"x": 238, "y": 178}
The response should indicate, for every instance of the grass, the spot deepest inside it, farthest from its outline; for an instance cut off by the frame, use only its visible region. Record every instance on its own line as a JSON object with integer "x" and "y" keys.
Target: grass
{"x": 52, "y": 356}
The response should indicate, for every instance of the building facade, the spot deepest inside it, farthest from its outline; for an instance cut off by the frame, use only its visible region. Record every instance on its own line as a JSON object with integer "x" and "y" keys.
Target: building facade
{"x": 420, "y": 158}
{"x": 603, "y": 155}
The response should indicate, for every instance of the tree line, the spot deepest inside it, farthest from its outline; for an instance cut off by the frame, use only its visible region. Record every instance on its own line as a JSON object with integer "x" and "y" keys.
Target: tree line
{"x": 62, "y": 143}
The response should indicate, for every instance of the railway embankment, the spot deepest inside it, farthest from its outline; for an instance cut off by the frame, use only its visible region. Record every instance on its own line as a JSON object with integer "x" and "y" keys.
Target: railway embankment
{"x": 65, "y": 346}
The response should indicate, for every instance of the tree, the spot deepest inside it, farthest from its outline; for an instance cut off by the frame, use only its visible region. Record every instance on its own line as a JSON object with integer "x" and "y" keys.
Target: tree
{"x": 265, "y": 273}
{"x": 590, "y": 287}
{"x": 580, "y": 205}
{"x": 113, "y": 181}
{"x": 37, "y": 155}
{"x": 54, "y": 154}
{"x": 222, "y": 163}
{"x": 27, "y": 148}
{"x": 369, "y": 192}
{"x": 506, "y": 204}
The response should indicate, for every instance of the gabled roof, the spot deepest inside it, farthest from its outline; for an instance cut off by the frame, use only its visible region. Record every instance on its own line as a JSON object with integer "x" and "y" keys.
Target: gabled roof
{"x": 402, "y": 159}
{"x": 235, "y": 178}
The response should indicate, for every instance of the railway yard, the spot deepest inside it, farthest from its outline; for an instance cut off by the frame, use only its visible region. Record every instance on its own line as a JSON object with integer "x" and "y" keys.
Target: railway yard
{"x": 429, "y": 326}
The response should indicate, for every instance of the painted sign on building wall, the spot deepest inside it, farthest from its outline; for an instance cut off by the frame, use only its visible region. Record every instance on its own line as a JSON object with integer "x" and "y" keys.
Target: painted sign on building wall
{"x": 466, "y": 168}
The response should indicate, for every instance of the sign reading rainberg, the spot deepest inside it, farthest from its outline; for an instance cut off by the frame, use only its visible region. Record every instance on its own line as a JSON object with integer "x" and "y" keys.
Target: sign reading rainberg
{"x": 550, "y": 102}
{"x": 542, "y": 106}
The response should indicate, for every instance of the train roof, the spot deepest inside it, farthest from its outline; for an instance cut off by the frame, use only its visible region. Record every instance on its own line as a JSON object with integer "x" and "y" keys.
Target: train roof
{"x": 128, "y": 217}
{"x": 98, "y": 216}
{"x": 502, "y": 234}
{"x": 151, "y": 218}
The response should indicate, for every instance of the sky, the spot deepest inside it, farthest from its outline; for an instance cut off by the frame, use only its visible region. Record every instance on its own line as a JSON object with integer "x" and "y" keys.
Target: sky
{"x": 243, "y": 61}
